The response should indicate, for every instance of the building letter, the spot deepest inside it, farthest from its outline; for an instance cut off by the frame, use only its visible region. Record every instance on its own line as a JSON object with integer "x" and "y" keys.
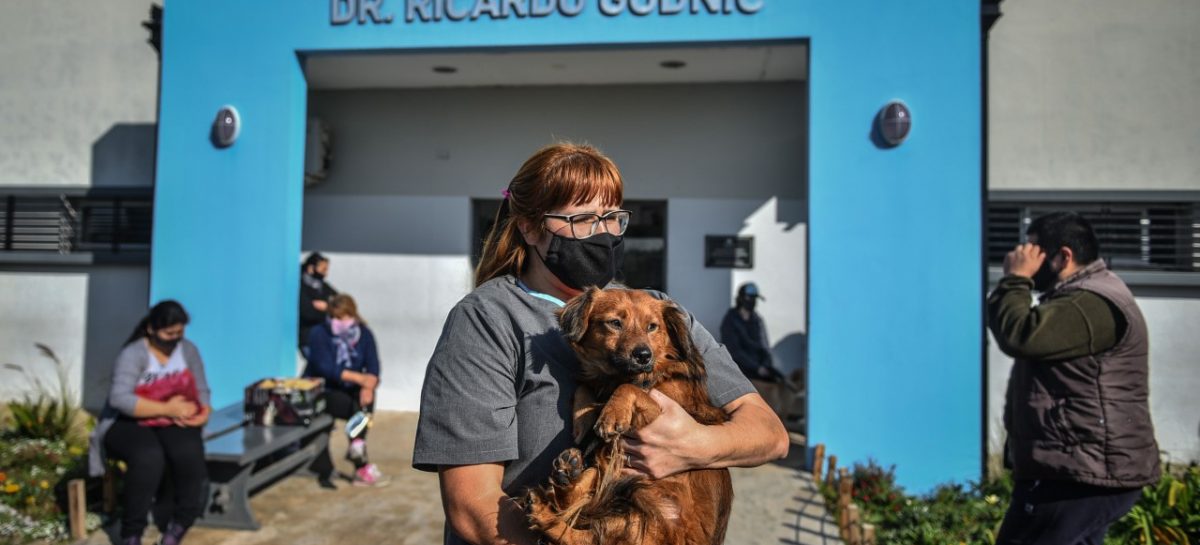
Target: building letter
{"x": 417, "y": 9}
{"x": 520, "y": 8}
{"x": 541, "y": 8}
{"x": 341, "y": 16}
{"x": 642, "y": 7}
{"x": 486, "y": 6}
{"x": 671, "y": 7}
{"x": 570, "y": 8}
{"x": 713, "y": 6}
{"x": 612, "y": 7}
{"x": 749, "y": 6}
{"x": 455, "y": 15}
{"x": 370, "y": 8}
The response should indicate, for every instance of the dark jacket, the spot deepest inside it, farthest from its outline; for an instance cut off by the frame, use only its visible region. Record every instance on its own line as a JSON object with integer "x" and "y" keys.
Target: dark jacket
{"x": 312, "y": 289}
{"x": 747, "y": 342}
{"x": 322, "y": 357}
{"x": 1082, "y": 415}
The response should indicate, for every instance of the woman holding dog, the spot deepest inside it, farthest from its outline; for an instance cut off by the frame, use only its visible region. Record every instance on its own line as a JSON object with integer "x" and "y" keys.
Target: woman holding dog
{"x": 496, "y": 403}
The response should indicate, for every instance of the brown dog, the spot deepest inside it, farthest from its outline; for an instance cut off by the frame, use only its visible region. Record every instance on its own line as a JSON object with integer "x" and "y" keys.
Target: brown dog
{"x": 629, "y": 342}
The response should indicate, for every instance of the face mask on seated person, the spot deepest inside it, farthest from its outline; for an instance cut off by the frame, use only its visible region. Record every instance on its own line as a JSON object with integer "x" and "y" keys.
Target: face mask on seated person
{"x": 165, "y": 346}
{"x": 583, "y": 262}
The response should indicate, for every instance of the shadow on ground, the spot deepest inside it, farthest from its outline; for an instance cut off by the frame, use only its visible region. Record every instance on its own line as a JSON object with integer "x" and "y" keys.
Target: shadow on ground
{"x": 773, "y": 504}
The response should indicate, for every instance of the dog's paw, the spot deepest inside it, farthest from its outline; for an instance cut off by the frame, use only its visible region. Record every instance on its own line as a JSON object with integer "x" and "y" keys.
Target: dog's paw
{"x": 613, "y": 423}
{"x": 538, "y": 512}
{"x": 567, "y": 467}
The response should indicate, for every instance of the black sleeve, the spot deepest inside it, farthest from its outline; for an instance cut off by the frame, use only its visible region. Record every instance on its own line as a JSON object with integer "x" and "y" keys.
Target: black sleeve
{"x": 308, "y": 313}
{"x": 733, "y": 340}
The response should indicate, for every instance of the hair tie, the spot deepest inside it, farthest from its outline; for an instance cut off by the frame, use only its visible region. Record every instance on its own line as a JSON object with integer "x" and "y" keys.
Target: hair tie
{"x": 505, "y": 193}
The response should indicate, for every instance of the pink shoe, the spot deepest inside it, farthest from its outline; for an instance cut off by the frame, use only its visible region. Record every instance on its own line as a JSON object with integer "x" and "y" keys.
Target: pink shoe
{"x": 369, "y": 475}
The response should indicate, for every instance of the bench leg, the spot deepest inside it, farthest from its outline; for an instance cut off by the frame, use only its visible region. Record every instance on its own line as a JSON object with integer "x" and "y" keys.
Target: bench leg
{"x": 229, "y": 498}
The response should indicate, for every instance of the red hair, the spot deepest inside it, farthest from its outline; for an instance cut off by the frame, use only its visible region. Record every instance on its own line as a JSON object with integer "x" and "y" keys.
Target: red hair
{"x": 559, "y": 175}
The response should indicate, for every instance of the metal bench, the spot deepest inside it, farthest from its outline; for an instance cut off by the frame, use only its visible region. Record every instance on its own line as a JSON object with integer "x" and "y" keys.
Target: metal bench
{"x": 242, "y": 458}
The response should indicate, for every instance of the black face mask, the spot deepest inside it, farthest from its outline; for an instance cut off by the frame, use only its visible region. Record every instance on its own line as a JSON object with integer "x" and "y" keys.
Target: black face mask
{"x": 583, "y": 262}
{"x": 1045, "y": 277}
{"x": 165, "y": 346}
{"x": 747, "y": 303}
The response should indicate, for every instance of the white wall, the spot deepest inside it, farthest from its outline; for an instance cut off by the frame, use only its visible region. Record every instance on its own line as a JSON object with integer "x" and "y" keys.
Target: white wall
{"x": 1101, "y": 95}
{"x": 78, "y": 86}
{"x": 712, "y": 141}
{"x": 1095, "y": 94}
{"x": 84, "y": 316}
{"x": 395, "y": 213}
{"x": 1174, "y": 380}
{"x": 405, "y": 261}
{"x": 780, "y": 252}
{"x": 77, "y": 93}
{"x": 42, "y": 308}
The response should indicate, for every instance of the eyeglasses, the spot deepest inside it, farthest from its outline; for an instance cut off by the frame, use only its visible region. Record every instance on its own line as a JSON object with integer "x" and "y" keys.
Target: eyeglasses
{"x": 584, "y": 225}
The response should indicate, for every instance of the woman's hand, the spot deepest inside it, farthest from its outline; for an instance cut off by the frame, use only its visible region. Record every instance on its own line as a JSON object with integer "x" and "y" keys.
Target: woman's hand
{"x": 179, "y": 407}
{"x": 366, "y": 396}
{"x": 197, "y": 420}
{"x": 672, "y": 443}
{"x": 675, "y": 442}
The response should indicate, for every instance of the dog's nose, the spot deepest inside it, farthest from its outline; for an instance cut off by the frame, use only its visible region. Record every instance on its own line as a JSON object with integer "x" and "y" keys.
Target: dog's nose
{"x": 642, "y": 355}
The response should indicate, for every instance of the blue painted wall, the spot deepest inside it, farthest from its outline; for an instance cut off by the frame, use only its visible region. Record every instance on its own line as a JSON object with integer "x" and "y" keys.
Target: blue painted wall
{"x": 895, "y": 287}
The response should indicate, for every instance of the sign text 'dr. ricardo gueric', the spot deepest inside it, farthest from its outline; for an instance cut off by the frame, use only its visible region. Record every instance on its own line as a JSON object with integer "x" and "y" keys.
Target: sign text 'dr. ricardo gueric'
{"x": 343, "y": 12}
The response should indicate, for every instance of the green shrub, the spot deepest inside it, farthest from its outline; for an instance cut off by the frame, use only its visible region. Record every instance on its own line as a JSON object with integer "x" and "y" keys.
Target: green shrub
{"x": 31, "y": 476}
{"x": 1168, "y": 513}
{"x": 47, "y": 413}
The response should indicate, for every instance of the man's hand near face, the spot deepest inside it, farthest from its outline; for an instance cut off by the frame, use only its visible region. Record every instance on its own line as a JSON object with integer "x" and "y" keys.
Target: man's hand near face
{"x": 1024, "y": 260}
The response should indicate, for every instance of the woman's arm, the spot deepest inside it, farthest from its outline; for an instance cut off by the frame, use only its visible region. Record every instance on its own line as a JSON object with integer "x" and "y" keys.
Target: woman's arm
{"x": 128, "y": 367}
{"x": 675, "y": 442}
{"x": 370, "y": 353}
{"x": 478, "y": 510}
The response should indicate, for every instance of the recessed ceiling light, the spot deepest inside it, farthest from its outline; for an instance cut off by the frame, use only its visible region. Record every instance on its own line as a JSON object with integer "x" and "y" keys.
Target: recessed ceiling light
{"x": 672, "y": 65}
{"x": 445, "y": 69}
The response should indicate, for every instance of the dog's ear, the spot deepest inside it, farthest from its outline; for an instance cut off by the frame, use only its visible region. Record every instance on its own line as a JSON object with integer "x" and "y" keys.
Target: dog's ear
{"x": 676, "y": 323}
{"x": 573, "y": 318}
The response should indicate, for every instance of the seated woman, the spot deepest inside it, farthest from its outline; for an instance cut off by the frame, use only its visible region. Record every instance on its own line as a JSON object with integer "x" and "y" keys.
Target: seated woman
{"x": 342, "y": 351}
{"x": 156, "y": 409}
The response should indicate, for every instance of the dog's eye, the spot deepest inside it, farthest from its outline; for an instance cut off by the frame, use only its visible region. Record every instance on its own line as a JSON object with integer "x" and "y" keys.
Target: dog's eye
{"x": 615, "y": 323}
{"x": 652, "y": 327}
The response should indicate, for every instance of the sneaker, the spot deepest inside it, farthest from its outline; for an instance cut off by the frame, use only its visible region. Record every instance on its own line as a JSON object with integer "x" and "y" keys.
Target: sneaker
{"x": 357, "y": 452}
{"x": 369, "y": 475}
{"x": 326, "y": 483}
{"x": 173, "y": 535}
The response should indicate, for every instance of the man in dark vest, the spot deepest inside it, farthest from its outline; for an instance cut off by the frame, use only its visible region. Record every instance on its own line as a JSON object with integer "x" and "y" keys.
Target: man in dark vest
{"x": 1080, "y": 439}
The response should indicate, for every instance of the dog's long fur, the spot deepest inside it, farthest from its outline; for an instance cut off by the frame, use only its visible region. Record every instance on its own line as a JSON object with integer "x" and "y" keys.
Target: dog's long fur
{"x": 629, "y": 342}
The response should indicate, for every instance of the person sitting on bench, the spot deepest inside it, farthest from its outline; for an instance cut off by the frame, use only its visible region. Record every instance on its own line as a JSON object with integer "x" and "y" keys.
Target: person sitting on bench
{"x": 152, "y": 420}
{"x": 342, "y": 351}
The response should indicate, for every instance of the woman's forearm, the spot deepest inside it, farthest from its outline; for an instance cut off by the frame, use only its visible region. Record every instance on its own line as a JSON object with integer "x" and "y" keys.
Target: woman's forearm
{"x": 148, "y": 408}
{"x": 753, "y": 436}
{"x": 478, "y": 510}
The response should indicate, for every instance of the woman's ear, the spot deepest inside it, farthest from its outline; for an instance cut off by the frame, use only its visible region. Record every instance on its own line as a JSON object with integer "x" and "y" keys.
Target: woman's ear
{"x": 529, "y": 233}
{"x": 575, "y": 317}
{"x": 678, "y": 330}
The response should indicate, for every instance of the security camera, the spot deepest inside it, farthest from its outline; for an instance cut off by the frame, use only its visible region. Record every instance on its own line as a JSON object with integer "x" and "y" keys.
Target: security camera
{"x": 894, "y": 122}
{"x": 226, "y": 126}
